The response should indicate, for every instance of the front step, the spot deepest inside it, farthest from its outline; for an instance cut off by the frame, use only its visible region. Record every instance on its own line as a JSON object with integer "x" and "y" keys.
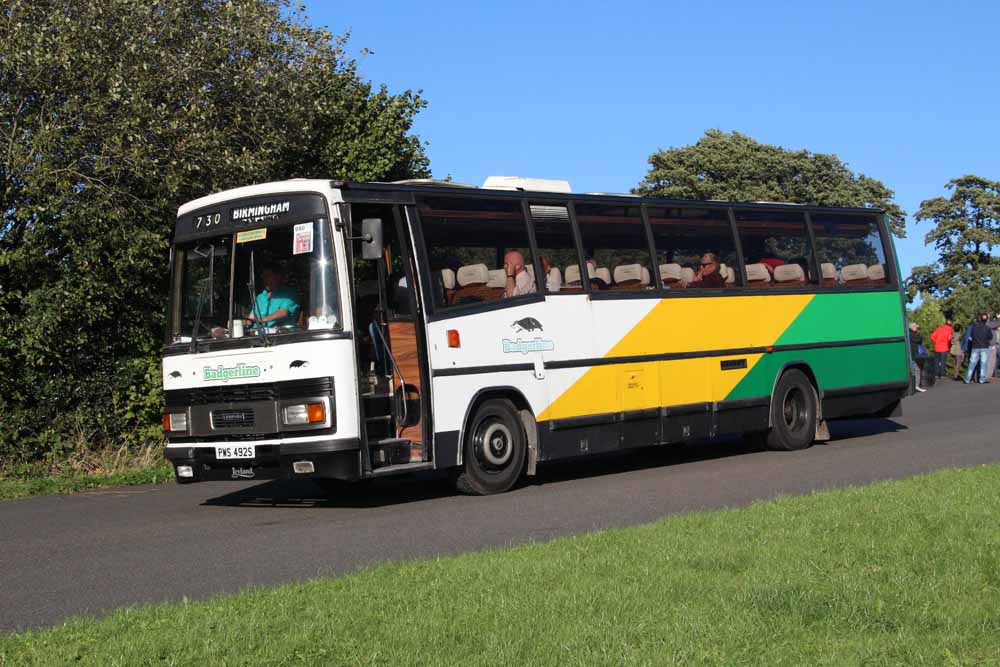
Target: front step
{"x": 395, "y": 451}
{"x": 401, "y": 468}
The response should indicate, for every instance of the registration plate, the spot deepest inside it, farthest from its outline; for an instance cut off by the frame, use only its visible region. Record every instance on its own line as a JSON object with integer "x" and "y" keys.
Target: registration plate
{"x": 235, "y": 452}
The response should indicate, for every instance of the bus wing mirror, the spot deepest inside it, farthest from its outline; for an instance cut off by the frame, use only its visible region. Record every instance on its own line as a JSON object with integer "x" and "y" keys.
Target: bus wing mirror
{"x": 371, "y": 233}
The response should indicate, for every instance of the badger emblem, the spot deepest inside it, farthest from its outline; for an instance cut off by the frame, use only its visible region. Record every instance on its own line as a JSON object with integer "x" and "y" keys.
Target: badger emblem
{"x": 527, "y": 324}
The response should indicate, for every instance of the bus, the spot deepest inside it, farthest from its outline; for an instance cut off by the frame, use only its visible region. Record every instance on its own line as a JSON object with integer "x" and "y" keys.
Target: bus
{"x": 340, "y": 331}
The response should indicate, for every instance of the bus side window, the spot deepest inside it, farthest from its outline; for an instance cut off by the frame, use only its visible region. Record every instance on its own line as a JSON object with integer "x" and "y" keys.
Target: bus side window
{"x": 614, "y": 238}
{"x": 776, "y": 248}
{"x": 682, "y": 235}
{"x": 468, "y": 242}
{"x": 849, "y": 250}
{"x": 556, "y": 247}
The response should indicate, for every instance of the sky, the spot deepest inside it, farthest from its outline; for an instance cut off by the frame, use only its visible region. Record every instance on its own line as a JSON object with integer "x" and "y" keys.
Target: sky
{"x": 905, "y": 92}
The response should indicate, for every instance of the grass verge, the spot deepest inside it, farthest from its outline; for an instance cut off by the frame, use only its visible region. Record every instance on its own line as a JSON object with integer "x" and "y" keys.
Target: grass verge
{"x": 903, "y": 573}
{"x": 83, "y": 469}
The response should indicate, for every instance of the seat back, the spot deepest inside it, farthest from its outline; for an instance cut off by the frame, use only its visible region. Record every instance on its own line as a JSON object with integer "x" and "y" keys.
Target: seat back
{"x": 758, "y": 275}
{"x": 789, "y": 275}
{"x": 670, "y": 274}
{"x": 687, "y": 274}
{"x": 630, "y": 276}
{"x": 876, "y": 274}
{"x": 854, "y": 274}
{"x": 829, "y": 272}
{"x": 472, "y": 282}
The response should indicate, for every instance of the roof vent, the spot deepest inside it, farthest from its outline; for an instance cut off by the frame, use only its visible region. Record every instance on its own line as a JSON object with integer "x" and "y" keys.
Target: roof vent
{"x": 527, "y": 184}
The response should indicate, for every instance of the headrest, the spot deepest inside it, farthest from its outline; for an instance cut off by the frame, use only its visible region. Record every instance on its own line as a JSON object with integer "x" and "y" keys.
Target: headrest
{"x": 498, "y": 278}
{"x": 572, "y": 274}
{"x": 876, "y": 272}
{"x": 670, "y": 272}
{"x": 448, "y": 278}
{"x": 627, "y": 272}
{"x": 828, "y": 270}
{"x": 604, "y": 275}
{"x": 789, "y": 273}
{"x": 530, "y": 268}
{"x": 473, "y": 274}
{"x": 687, "y": 274}
{"x": 758, "y": 273}
{"x": 555, "y": 276}
{"x": 730, "y": 275}
{"x": 854, "y": 272}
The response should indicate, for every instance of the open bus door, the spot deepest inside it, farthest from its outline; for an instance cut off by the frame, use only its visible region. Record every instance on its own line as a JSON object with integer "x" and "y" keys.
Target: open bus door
{"x": 389, "y": 336}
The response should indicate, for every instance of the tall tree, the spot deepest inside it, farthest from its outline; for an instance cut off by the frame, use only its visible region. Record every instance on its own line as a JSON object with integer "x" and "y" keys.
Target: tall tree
{"x": 733, "y": 166}
{"x": 114, "y": 112}
{"x": 966, "y": 231}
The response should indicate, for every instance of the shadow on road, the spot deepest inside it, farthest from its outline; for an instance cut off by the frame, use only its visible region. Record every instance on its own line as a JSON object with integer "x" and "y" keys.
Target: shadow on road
{"x": 429, "y": 486}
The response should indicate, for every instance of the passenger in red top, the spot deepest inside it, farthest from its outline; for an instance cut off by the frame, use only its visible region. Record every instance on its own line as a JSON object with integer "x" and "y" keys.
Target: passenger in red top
{"x": 941, "y": 337}
{"x": 772, "y": 263}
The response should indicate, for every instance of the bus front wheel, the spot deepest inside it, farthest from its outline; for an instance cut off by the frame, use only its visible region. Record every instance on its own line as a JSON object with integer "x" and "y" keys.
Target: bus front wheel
{"x": 793, "y": 413}
{"x": 494, "y": 451}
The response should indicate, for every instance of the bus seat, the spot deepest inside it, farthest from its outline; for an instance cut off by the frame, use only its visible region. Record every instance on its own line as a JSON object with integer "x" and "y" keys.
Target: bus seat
{"x": 448, "y": 279}
{"x": 789, "y": 275}
{"x": 829, "y": 272}
{"x": 603, "y": 274}
{"x": 687, "y": 274}
{"x": 554, "y": 278}
{"x": 758, "y": 275}
{"x": 630, "y": 276}
{"x": 854, "y": 274}
{"x": 876, "y": 274}
{"x": 472, "y": 282}
{"x": 730, "y": 275}
{"x": 670, "y": 274}
{"x": 497, "y": 283}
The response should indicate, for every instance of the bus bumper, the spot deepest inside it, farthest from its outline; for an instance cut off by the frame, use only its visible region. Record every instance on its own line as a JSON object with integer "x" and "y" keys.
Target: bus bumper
{"x": 330, "y": 459}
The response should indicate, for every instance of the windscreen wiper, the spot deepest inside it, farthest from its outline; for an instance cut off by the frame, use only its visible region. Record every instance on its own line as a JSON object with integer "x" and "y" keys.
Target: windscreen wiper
{"x": 206, "y": 290}
{"x": 252, "y": 287}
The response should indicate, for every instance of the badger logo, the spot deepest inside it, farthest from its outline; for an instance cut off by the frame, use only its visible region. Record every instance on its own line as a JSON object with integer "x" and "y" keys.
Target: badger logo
{"x": 527, "y": 324}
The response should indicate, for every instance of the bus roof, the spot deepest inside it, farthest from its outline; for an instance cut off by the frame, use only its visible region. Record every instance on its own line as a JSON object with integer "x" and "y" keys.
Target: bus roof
{"x": 356, "y": 191}
{"x": 402, "y": 192}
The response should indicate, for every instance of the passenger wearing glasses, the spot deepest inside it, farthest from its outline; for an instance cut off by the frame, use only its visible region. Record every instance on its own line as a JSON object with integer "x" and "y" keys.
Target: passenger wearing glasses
{"x": 708, "y": 275}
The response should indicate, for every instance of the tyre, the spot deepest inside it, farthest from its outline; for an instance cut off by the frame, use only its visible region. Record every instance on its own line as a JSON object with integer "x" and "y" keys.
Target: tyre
{"x": 793, "y": 413}
{"x": 494, "y": 451}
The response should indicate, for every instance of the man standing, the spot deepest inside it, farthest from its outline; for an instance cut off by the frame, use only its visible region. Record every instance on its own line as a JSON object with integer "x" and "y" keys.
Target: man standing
{"x": 916, "y": 340}
{"x": 941, "y": 337}
{"x": 981, "y": 339}
{"x": 958, "y": 352}
{"x": 991, "y": 365}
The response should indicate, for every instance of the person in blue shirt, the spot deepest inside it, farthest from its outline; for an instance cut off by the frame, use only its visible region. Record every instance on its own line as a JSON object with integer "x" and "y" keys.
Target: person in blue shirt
{"x": 277, "y": 305}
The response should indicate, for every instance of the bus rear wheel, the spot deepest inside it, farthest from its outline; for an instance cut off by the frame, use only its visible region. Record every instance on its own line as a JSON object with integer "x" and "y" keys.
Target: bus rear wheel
{"x": 793, "y": 413}
{"x": 494, "y": 451}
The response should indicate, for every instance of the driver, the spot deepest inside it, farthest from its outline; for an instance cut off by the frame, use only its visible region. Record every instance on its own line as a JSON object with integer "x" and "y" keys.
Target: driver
{"x": 277, "y": 305}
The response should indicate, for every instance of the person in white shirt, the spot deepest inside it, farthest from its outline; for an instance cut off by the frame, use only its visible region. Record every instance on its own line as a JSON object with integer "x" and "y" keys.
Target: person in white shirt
{"x": 519, "y": 281}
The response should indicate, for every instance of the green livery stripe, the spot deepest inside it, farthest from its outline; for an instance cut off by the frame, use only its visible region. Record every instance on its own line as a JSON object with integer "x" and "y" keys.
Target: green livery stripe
{"x": 831, "y": 318}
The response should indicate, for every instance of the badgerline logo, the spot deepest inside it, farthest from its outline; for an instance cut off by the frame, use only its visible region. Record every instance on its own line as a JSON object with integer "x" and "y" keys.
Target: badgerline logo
{"x": 252, "y": 214}
{"x": 237, "y": 372}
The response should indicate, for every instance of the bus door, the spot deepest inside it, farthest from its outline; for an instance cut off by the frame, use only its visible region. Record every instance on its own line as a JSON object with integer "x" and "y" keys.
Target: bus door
{"x": 389, "y": 334}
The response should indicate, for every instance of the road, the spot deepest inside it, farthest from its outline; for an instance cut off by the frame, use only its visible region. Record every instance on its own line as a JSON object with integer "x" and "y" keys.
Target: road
{"x": 93, "y": 552}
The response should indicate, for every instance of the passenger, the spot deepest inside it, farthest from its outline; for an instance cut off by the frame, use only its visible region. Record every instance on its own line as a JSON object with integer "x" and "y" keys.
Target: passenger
{"x": 276, "y": 305}
{"x": 551, "y": 284}
{"x": 708, "y": 275}
{"x": 772, "y": 263}
{"x": 519, "y": 281}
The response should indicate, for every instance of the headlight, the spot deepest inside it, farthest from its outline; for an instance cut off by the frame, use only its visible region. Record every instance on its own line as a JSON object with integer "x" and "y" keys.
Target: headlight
{"x": 305, "y": 413}
{"x": 175, "y": 421}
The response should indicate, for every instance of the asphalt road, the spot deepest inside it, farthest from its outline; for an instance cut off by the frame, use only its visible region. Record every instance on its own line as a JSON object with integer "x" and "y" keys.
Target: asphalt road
{"x": 94, "y": 552}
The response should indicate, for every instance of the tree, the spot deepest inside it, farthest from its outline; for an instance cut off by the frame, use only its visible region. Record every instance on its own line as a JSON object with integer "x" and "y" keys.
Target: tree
{"x": 114, "y": 112}
{"x": 966, "y": 231}
{"x": 928, "y": 315}
{"x": 732, "y": 166}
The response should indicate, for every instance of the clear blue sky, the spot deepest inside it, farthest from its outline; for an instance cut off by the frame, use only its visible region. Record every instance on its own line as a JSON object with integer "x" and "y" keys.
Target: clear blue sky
{"x": 906, "y": 92}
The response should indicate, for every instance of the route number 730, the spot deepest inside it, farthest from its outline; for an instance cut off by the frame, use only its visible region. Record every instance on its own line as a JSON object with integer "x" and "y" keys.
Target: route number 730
{"x": 207, "y": 220}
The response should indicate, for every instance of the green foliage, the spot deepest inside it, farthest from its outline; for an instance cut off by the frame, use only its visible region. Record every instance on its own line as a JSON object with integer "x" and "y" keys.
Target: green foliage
{"x": 732, "y": 166}
{"x": 966, "y": 231}
{"x": 928, "y": 315}
{"x": 112, "y": 114}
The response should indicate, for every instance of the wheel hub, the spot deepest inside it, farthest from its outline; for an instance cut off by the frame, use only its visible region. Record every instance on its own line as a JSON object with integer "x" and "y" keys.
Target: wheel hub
{"x": 495, "y": 445}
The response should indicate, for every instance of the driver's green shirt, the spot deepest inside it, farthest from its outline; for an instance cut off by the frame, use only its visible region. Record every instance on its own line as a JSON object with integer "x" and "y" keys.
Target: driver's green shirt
{"x": 269, "y": 303}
